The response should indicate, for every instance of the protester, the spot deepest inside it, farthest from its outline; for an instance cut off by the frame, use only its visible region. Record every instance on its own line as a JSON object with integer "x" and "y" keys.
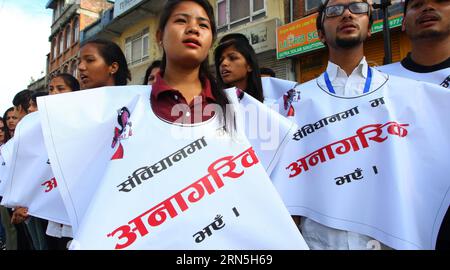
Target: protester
{"x": 11, "y": 121}
{"x": 150, "y": 73}
{"x": 319, "y": 178}
{"x": 35, "y": 226}
{"x": 2, "y": 230}
{"x": 170, "y": 88}
{"x": 33, "y": 102}
{"x": 63, "y": 83}
{"x": 149, "y": 123}
{"x": 11, "y": 232}
{"x": 21, "y": 104}
{"x": 427, "y": 24}
{"x": 102, "y": 63}
{"x": 267, "y": 72}
{"x": 343, "y": 26}
{"x": 58, "y": 235}
{"x": 237, "y": 66}
{"x": 2, "y": 131}
{"x": 235, "y": 36}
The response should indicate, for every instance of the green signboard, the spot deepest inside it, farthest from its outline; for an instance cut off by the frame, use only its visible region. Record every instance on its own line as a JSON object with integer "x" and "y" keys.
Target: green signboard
{"x": 393, "y": 22}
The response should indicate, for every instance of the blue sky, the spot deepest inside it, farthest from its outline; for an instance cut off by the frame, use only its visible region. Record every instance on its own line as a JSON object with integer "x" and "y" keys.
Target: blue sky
{"x": 24, "y": 28}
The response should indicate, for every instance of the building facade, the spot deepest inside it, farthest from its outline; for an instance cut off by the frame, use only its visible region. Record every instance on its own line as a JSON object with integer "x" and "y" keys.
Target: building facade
{"x": 282, "y": 32}
{"x": 38, "y": 85}
{"x": 258, "y": 20}
{"x": 132, "y": 25}
{"x": 298, "y": 39}
{"x": 69, "y": 18}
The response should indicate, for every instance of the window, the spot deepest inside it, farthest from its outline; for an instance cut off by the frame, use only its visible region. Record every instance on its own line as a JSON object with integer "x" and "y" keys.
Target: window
{"x": 136, "y": 48}
{"x": 312, "y": 4}
{"x": 232, "y": 13}
{"x": 239, "y": 10}
{"x": 54, "y": 48}
{"x": 61, "y": 43}
{"x": 76, "y": 30}
{"x": 68, "y": 36}
{"x": 60, "y": 7}
{"x": 222, "y": 13}
{"x": 74, "y": 68}
{"x": 56, "y": 13}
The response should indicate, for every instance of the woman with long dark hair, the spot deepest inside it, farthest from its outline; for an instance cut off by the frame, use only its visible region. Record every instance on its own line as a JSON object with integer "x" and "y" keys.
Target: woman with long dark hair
{"x": 237, "y": 66}
{"x": 2, "y": 131}
{"x": 11, "y": 121}
{"x": 186, "y": 43}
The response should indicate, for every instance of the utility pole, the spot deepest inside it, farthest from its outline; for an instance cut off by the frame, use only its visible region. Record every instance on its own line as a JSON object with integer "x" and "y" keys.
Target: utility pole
{"x": 384, "y": 4}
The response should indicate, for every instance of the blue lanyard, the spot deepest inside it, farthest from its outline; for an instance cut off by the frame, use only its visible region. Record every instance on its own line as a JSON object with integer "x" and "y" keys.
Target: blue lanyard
{"x": 366, "y": 86}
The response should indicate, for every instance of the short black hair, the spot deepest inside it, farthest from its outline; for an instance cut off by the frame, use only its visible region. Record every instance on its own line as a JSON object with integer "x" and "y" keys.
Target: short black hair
{"x": 235, "y": 36}
{"x": 267, "y": 71}
{"x": 154, "y": 64}
{"x": 321, "y": 11}
{"x": 23, "y": 99}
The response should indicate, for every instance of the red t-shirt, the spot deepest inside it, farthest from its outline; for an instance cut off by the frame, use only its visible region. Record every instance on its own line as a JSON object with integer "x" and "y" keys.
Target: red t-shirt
{"x": 164, "y": 98}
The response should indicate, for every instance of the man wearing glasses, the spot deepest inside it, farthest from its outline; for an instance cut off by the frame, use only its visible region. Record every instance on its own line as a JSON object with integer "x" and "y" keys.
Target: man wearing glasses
{"x": 343, "y": 26}
{"x": 386, "y": 190}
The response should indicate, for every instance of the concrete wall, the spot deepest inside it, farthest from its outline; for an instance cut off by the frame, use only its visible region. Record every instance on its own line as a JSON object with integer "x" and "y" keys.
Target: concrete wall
{"x": 138, "y": 70}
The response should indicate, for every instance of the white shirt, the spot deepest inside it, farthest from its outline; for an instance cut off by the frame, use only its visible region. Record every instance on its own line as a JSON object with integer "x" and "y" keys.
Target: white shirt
{"x": 316, "y": 235}
{"x": 353, "y": 85}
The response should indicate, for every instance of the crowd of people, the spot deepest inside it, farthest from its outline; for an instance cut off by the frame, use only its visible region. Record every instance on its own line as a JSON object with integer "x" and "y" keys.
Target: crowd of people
{"x": 186, "y": 33}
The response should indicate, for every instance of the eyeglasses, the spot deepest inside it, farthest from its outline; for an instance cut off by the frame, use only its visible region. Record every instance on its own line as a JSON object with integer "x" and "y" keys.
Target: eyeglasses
{"x": 355, "y": 8}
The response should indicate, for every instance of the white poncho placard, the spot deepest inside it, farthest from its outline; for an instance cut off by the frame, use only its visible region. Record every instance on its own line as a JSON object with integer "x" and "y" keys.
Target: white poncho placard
{"x": 168, "y": 186}
{"x": 376, "y": 164}
{"x": 30, "y": 181}
{"x": 440, "y": 77}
